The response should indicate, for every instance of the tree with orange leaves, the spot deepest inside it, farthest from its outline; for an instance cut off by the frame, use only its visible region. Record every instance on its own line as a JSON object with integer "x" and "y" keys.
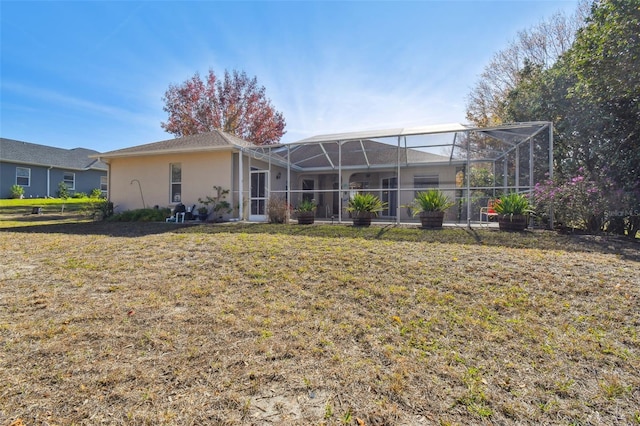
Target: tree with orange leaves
{"x": 235, "y": 104}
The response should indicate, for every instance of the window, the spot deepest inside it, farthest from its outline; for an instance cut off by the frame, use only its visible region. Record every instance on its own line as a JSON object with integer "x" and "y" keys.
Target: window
{"x": 308, "y": 186}
{"x": 69, "y": 179}
{"x": 425, "y": 182}
{"x": 104, "y": 185}
{"x": 390, "y": 195}
{"x": 176, "y": 182}
{"x": 23, "y": 176}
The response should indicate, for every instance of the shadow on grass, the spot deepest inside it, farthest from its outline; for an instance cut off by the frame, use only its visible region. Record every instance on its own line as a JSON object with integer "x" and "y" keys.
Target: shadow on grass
{"x": 538, "y": 239}
{"x": 81, "y": 225}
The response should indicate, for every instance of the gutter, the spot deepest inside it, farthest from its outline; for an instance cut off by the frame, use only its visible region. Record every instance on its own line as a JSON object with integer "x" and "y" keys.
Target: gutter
{"x": 49, "y": 181}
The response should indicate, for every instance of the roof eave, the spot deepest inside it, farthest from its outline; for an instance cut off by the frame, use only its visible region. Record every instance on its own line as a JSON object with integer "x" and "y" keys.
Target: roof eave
{"x": 107, "y": 155}
{"x": 51, "y": 166}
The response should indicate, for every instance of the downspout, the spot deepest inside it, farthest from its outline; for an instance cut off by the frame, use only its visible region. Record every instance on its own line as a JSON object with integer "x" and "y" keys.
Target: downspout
{"x": 49, "y": 181}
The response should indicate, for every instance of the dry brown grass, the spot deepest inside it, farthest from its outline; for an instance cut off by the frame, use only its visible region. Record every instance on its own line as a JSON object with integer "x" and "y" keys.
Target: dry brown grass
{"x": 163, "y": 324}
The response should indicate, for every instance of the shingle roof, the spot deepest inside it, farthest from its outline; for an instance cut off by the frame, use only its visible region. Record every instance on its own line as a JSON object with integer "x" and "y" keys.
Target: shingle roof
{"x": 41, "y": 155}
{"x": 201, "y": 142}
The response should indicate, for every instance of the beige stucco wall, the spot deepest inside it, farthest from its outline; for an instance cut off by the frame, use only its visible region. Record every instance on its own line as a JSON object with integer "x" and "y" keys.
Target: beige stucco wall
{"x": 200, "y": 172}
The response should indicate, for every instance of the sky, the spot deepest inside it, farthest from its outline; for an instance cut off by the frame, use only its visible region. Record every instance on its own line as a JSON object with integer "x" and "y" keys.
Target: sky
{"x": 92, "y": 74}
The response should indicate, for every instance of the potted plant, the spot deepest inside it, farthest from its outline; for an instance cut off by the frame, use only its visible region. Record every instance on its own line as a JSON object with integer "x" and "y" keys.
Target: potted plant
{"x": 431, "y": 205}
{"x": 306, "y": 212}
{"x": 363, "y": 207}
{"x": 203, "y": 213}
{"x": 513, "y": 211}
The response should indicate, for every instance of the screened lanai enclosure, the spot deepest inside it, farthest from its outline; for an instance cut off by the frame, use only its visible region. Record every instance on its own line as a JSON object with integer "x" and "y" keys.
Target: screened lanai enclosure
{"x": 471, "y": 165}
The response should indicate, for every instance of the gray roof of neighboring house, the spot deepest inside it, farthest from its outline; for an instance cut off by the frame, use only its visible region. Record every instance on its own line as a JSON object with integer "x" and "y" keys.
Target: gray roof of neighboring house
{"x": 209, "y": 141}
{"x": 41, "y": 155}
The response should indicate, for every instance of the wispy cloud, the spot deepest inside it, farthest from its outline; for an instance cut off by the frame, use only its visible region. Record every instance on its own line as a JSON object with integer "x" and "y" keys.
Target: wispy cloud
{"x": 62, "y": 101}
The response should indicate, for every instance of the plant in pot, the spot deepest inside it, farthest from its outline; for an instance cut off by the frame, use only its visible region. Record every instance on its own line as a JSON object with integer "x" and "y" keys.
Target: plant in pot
{"x": 203, "y": 213}
{"x": 513, "y": 211}
{"x": 306, "y": 212}
{"x": 431, "y": 205}
{"x": 363, "y": 207}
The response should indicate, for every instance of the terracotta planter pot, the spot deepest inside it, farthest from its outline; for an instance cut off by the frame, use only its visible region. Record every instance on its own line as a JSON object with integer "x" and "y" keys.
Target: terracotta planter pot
{"x": 306, "y": 218}
{"x": 516, "y": 222}
{"x": 362, "y": 219}
{"x": 431, "y": 220}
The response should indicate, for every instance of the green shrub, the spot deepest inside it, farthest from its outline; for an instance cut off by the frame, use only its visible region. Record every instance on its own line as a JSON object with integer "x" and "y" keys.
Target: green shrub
{"x": 80, "y": 195}
{"x": 17, "y": 191}
{"x": 513, "y": 203}
{"x": 432, "y": 200}
{"x": 306, "y": 206}
{"x": 63, "y": 190}
{"x": 142, "y": 215}
{"x": 105, "y": 207}
{"x": 365, "y": 203}
{"x": 96, "y": 193}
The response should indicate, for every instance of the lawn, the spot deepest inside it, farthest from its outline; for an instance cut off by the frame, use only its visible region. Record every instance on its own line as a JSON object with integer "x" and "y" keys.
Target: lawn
{"x": 47, "y": 205}
{"x": 121, "y": 323}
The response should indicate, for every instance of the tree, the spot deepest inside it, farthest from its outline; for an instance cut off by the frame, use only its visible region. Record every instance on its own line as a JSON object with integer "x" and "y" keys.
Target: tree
{"x": 592, "y": 94}
{"x": 236, "y": 105}
{"x": 539, "y": 46}
{"x": 605, "y": 61}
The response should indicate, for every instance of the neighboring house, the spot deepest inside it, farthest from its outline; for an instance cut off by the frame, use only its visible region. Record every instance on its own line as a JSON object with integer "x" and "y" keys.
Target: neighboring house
{"x": 39, "y": 169}
{"x": 393, "y": 164}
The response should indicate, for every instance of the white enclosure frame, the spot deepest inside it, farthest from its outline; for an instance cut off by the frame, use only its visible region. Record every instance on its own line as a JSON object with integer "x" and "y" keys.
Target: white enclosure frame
{"x": 519, "y": 155}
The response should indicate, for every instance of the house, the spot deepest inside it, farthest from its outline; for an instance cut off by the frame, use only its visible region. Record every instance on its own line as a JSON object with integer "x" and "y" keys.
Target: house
{"x": 394, "y": 164}
{"x": 39, "y": 169}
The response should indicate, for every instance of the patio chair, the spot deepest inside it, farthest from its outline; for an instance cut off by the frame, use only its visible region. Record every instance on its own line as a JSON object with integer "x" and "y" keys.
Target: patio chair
{"x": 191, "y": 213}
{"x": 179, "y": 212}
{"x": 489, "y": 211}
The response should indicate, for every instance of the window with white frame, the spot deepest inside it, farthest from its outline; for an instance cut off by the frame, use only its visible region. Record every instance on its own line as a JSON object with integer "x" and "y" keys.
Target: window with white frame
{"x": 176, "y": 182}
{"x": 425, "y": 182}
{"x": 104, "y": 184}
{"x": 23, "y": 176}
{"x": 69, "y": 179}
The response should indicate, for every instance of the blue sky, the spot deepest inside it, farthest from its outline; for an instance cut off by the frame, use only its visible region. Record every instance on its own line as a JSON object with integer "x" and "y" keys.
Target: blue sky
{"x": 92, "y": 74}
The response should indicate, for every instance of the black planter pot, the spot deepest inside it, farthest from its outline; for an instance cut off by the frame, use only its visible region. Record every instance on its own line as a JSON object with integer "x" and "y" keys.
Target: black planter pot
{"x": 362, "y": 219}
{"x": 515, "y": 222}
{"x": 306, "y": 218}
{"x": 431, "y": 220}
{"x": 203, "y": 216}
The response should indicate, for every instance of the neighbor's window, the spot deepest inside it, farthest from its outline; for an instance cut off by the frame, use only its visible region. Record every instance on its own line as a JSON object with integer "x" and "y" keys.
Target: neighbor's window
{"x": 23, "y": 176}
{"x": 104, "y": 184}
{"x": 425, "y": 182}
{"x": 176, "y": 182}
{"x": 69, "y": 179}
